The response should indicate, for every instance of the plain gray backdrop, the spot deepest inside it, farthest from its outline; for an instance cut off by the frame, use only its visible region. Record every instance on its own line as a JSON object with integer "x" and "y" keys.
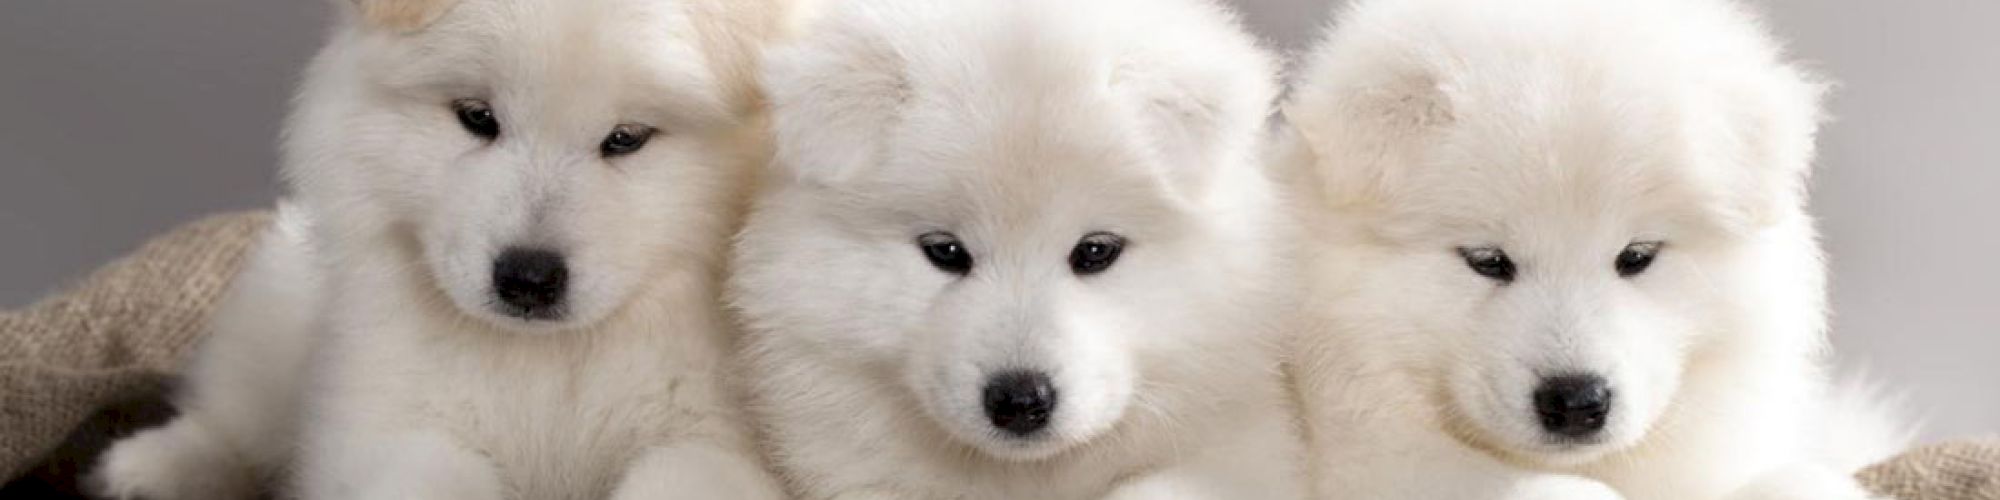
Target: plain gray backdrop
{"x": 120, "y": 119}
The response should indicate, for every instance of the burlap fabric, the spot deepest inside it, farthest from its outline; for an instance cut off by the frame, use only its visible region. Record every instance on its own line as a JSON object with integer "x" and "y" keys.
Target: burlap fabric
{"x": 1967, "y": 469}
{"x": 112, "y": 334}
{"x": 117, "y": 331}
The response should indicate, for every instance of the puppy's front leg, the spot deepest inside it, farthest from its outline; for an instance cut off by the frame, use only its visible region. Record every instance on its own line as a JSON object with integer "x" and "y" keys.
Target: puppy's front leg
{"x": 1199, "y": 481}
{"x": 1559, "y": 487}
{"x": 1442, "y": 479}
{"x": 409, "y": 465}
{"x": 1162, "y": 486}
{"x": 872, "y": 495}
{"x": 1432, "y": 466}
{"x": 697, "y": 471}
{"x": 1259, "y": 460}
{"x": 1802, "y": 482}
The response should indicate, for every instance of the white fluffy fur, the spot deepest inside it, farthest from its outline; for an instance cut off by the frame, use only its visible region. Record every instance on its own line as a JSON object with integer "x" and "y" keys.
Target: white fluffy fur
{"x": 242, "y": 387}
{"x": 1020, "y": 126}
{"x": 377, "y": 320}
{"x": 1560, "y": 131}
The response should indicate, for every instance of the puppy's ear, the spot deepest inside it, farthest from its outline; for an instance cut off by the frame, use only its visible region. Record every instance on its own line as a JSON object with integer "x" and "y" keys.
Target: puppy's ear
{"x": 1768, "y": 120}
{"x": 1359, "y": 114}
{"x": 1201, "y": 102}
{"x": 833, "y": 99}
{"x": 401, "y": 15}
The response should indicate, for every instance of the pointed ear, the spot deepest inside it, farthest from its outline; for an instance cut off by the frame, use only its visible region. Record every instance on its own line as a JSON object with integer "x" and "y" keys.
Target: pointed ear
{"x": 1361, "y": 115}
{"x": 1401, "y": 105}
{"x": 833, "y": 98}
{"x": 1201, "y": 105}
{"x": 1765, "y": 138}
{"x": 401, "y": 15}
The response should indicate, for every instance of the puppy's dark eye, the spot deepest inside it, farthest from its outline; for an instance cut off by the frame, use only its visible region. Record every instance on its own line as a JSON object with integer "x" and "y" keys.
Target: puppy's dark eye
{"x": 945, "y": 252}
{"x": 625, "y": 139}
{"x": 1095, "y": 253}
{"x": 1489, "y": 262}
{"x": 477, "y": 117}
{"x": 1636, "y": 257}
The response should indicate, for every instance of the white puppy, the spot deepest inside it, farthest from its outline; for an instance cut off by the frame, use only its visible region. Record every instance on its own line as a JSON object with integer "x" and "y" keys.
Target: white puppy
{"x": 1018, "y": 249}
{"x": 1560, "y": 251}
{"x": 503, "y": 271}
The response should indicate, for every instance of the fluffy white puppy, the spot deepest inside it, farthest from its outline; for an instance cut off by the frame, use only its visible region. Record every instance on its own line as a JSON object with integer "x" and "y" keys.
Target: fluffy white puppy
{"x": 1018, "y": 249}
{"x": 1559, "y": 250}
{"x": 502, "y": 276}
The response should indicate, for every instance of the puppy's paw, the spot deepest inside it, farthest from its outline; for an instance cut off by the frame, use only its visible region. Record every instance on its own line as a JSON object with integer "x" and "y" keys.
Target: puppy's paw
{"x": 870, "y": 495}
{"x": 1560, "y": 487}
{"x": 1803, "y": 482}
{"x": 176, "y": 462}
{"x": 1158, "y": 487}
{"x": 696, "y": 471}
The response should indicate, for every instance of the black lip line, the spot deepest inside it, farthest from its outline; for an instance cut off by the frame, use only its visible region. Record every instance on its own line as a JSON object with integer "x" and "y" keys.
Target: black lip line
{"x": 552, "y": 314}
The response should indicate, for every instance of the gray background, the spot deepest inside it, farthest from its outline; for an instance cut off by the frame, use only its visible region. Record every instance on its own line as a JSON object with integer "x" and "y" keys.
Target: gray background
{"x": 119, "y": 119}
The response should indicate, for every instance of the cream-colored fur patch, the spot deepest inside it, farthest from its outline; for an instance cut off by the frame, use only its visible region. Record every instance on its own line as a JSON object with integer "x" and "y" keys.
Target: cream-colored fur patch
{"x": 402, "y": 15}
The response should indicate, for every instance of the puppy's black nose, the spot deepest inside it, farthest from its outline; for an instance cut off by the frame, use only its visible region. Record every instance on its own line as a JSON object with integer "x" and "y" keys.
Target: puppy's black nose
{"x": 530, "y": 282}
{"x": 1573, "y": 406}
{"x": 1019, "y": 402}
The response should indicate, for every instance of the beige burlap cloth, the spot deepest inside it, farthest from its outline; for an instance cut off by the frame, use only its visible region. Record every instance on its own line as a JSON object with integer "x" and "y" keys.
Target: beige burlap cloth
{"x": 118, "y": 330}
{"x": 111, "y": 334}
{"x": 1964, "y": 469}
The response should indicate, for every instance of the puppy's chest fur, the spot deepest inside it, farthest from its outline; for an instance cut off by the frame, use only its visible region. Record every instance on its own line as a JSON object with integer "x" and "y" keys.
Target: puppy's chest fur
{"x": 923, "y": 463}
{"x": 557, "y": 414}
{"x": 884, "y": 449}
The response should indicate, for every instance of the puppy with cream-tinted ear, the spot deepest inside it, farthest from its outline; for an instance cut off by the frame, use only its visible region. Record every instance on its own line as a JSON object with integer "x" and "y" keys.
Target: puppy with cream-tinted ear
{"x": 499, "y": 272}
{"x": 1018, "y": 249}
{"x": 1559, "y": 250}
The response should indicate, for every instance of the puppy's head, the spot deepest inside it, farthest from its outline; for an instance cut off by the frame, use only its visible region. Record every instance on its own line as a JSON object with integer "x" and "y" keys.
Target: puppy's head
{"x": 531, "y": 161}
{"x": 1008, "y": 212}
{"x": 1565, "y": 206}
